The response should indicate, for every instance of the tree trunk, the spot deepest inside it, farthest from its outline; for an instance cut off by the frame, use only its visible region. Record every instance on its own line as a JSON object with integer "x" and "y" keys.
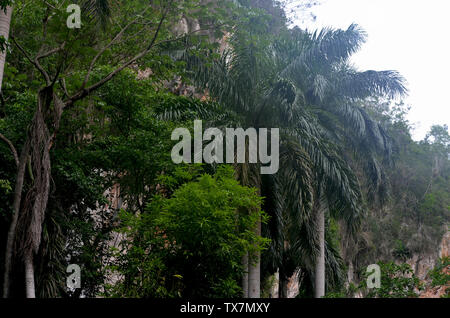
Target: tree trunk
{"x": 29, "y": 275}
{"x": 254, "y": 271}
{"x": 350, "y": 272}
{"x": 38, "y": 143}
{"x": 245, "y": 276}
{"x": 5, "y": 22}
{"x": 16, "y": 208}
{"x": 283, "y": 285}
{"x": 41, "y": 143}
{"x": 320, "y": 261}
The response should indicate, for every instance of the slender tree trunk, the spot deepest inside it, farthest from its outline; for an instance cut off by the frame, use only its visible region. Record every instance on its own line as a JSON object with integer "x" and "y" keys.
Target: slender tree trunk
{"x": 245, "y": 276}
{"x": 320, "y": 261}
{"x": 29, "y": 275}
{"x": 274, "y": 287}
{"x": 282, "y": 285}
{"x": 254, "y": 271}
{"x": 350, "y": 272}
{"x": 16, "y": 208}
{"x": 5, "y": 22}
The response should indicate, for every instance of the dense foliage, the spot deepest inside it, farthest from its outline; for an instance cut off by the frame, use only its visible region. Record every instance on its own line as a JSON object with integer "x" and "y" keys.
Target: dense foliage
{"x": 190, "y": 244}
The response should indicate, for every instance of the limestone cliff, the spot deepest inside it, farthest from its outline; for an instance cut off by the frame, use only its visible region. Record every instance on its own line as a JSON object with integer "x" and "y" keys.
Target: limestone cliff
{"x": 425, "y": 265}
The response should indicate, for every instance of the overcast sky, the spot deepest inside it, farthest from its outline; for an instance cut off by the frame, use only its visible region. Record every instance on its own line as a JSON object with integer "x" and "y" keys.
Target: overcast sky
{"x": 410, "y": 36}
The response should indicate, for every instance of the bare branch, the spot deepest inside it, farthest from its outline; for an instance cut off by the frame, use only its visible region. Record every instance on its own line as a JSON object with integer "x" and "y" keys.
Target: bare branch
{"x": 83, "y": 92}
{"x": 189, "y": 34}
{"x": 94, "y": 60}
{"x": 62, "y": 82}
{"x": 11, "y": 146}
{"x": 60, "y": 66}
{"x": 100, "y": 53}
{"x": 48, "y": 53}
{"x": 50, "y": 5}
{"x": 35, "y": 62}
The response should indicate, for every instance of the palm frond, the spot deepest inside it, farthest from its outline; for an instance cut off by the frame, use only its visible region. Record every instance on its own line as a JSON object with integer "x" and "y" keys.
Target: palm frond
{"x": 334, "y": 266}
{"x": 99, "y": 10}
{"x": 296, "y": 181}
{"x": 326, "y": 48}
{"x": 180, "y": 108}
{"x": 361, "y": 85}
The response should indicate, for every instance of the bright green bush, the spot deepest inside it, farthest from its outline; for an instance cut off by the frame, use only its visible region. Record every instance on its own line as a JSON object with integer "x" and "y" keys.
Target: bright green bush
{"x": 190, "y": 244}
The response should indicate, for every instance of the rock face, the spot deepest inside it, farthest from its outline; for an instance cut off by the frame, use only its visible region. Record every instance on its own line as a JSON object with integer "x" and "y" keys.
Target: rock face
{"x": 427, "y": 265}
{"x": 445, "y": 246}
{"x": 292, "y": 286}
{"x": 420, "y": 264}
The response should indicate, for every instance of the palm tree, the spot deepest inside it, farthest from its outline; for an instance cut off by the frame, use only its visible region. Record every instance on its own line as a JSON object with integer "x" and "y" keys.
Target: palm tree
{"x": 333, "y": 88}
{"x": 242, "y": 82}
{"x": 247, "y": 81}
{"x": 5, "y": 22}
{"x": 296, "y": 83}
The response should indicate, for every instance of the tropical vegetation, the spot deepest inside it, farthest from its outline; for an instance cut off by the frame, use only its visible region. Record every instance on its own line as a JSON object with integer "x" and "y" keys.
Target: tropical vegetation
{"x": 86, "y": 175}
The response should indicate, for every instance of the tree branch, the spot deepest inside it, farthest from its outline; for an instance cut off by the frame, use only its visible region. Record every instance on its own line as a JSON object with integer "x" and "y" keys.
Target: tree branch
{"x": 189, "y": 34}
{"x": 48, "y": 53}
{"x": 35, "y": 62}
{"x": 83, "y": 92}
{"x": 11, "y": 146}
{"x": 62, "y": 82}
{"x": 91, "y": 66}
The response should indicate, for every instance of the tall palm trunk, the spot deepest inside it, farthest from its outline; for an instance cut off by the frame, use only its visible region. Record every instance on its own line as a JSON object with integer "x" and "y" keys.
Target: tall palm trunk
{"x": 254, "y": 270}
{"x": 320, "y": 261}
{"x": 245, "y": 276}
{"x": 321, "y": 208}
{"x": 29, "y": 275}
{"x": 282, "y": 285}
{"x": 350, "y": 273}
{"x": 249, "y": 176}
{"x": 5, "y": 22}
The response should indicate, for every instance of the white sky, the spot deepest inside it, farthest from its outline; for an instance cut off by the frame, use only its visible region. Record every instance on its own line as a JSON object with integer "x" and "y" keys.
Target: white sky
{"x": 410, "y": 36}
